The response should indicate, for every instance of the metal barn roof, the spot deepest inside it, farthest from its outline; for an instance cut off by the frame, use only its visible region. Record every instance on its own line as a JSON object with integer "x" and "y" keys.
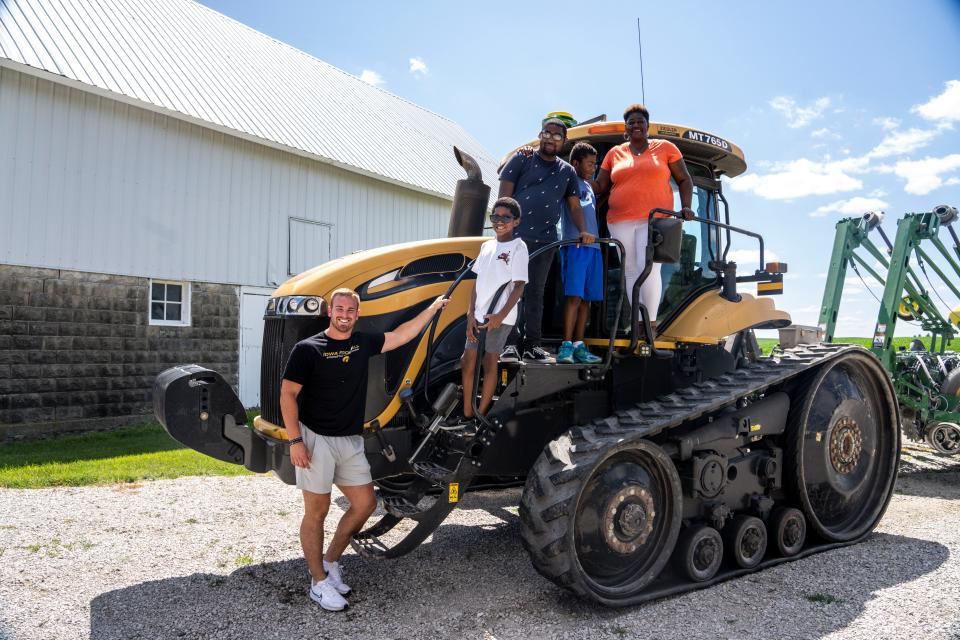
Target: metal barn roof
{"x": 182, "y": 57}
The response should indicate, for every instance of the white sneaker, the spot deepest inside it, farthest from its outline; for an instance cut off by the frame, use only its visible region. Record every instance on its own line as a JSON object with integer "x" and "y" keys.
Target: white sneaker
{"x": 324, "y": 594}
{"x": 538, "y": 354}
{"x": 335, "y": 576}
{"x": 510, "y": 354}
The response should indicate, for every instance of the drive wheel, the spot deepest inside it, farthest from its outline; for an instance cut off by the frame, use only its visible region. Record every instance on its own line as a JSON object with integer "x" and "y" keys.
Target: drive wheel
{"x": 843, "y": 446}
{"x": 699, "y": 552}
{"x": 601, "y": 522}
{"x": 788, "y": 528}
{"x": 745, "y": 538}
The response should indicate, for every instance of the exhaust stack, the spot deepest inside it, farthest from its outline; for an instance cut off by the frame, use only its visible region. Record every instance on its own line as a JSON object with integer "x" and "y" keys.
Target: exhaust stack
{"x": 470, "y": 200}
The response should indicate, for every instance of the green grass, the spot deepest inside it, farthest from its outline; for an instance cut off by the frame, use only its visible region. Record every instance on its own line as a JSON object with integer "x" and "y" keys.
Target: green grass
{"x": 766, "y": 344}
{"x": 243, "y": 560}
{"x": 132, "y": 454}
{"x": 823, "y": 598}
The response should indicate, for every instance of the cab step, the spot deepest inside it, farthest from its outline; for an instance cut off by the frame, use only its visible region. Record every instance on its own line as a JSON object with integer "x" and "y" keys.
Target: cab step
{"x": 435, "y": 473}
{"x": 403, "y": 507}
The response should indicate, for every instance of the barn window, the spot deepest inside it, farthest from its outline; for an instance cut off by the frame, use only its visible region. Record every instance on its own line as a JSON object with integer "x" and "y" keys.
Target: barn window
{"x": 170, "y": 303}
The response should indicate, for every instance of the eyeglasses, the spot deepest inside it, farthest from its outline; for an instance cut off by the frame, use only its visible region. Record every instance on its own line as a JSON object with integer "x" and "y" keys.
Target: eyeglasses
{"x": 496, "y": 217}
{"x": 546, "y": 135}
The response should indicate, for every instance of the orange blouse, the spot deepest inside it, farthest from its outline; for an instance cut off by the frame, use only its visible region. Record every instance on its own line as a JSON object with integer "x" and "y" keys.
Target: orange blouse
{"x": 639, "y": 183}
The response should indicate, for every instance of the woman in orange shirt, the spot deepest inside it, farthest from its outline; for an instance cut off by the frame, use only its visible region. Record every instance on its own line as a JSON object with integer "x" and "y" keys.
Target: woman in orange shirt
{"x": 637, "y": 174}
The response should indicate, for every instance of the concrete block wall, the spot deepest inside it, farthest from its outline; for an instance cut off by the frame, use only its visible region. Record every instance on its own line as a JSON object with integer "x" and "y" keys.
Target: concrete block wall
{"x": 77, "y": 351}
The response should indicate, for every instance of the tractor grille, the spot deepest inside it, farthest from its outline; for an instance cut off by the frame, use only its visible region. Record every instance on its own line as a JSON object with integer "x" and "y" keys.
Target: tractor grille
{"x": 279, "y": 337}
{"x": 272, "y": 361}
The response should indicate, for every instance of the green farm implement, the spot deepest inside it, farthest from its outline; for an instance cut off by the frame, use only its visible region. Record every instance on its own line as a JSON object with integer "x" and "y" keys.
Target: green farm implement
{"x": 926, "y": 380}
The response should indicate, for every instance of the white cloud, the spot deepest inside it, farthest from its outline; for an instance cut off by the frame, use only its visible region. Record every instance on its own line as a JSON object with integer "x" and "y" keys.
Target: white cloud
{"x": 810, "y": 308}
{"x": 798, "y": 116}
{"x": 944, "y": 108}
{"x": 854, "y": 281}
{"x": 825, "y": 133}
{"x": 923, "y": 176}
{"x": 750, "y": 258}
{"x": 887, "y": 123}
{"x": 802, "y": 177}
{"x": 898, "y": 143}
{"x": 852, "y": 207}
{"x": 418, "y": 66}
{"x": 371, "y": 77}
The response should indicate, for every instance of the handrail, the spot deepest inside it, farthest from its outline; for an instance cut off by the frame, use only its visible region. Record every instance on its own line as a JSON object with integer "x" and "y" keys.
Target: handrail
{"x": 433, "y": 328}
{"x": 640, "y": 310}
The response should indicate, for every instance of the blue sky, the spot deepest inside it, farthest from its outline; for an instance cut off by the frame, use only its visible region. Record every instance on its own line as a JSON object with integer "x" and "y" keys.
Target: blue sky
{"x": 840, "y": 107}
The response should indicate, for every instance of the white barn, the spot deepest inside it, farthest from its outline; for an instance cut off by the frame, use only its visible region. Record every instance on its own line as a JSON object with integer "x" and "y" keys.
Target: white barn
{"x": 162, "y": 167}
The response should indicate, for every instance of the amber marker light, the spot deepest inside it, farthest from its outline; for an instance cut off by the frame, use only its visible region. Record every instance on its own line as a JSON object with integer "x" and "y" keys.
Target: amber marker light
{"x": 613, "y": 127}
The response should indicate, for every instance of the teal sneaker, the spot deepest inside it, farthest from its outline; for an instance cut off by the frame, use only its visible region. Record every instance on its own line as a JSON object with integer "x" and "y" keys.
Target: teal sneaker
{"x": 565, "y": 354}
{"x": 582, "y": 355}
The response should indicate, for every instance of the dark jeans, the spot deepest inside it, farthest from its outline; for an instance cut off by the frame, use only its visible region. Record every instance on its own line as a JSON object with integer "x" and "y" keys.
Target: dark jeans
{"x": 532, "y": 302}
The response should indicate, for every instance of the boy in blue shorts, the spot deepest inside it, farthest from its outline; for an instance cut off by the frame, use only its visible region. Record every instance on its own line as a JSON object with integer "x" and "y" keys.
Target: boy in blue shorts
{"x": 582, "y": 264}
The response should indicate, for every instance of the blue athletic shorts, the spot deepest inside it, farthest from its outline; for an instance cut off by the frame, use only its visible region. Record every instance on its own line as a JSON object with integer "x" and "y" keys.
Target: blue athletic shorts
{"x": 582, "y": 272}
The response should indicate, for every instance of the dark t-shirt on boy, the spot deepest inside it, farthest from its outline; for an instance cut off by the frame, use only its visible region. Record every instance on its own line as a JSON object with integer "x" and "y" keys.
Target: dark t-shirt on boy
{"x": 540, "y": 187}
{"x": 334, "y": 378}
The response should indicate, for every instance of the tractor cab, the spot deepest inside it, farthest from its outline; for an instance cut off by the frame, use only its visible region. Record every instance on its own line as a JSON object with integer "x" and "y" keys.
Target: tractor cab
{"x": 701, "y": 249}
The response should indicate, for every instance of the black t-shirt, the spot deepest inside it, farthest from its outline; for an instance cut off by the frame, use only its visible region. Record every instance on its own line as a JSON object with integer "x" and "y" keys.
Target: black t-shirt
{"x": 334, "y": 378}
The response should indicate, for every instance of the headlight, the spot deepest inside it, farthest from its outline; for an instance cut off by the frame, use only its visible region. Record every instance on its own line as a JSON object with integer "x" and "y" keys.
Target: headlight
{"x": 296, "y": 306}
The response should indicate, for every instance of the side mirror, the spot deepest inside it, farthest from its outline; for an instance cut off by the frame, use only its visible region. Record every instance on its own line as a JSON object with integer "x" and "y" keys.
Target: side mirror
{"x": 667, "y": 239}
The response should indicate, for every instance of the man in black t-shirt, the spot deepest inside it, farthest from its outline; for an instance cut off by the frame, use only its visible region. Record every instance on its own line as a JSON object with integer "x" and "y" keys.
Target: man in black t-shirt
{"x": 322, "y": 399}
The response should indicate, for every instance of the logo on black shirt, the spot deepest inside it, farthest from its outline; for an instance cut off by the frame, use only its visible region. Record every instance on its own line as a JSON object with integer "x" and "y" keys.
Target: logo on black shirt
{"x": 342, "y": 354}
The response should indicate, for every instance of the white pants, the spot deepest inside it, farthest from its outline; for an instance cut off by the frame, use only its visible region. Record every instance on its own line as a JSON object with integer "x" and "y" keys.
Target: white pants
{"x": 633, "y": 235}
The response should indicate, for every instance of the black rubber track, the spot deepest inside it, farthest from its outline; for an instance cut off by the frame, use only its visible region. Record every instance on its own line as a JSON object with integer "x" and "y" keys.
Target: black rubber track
{"x": 555, "y": 482}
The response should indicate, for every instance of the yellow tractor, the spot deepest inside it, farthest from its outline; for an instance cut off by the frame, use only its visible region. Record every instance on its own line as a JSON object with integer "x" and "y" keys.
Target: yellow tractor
{"x": 680, "y": 460}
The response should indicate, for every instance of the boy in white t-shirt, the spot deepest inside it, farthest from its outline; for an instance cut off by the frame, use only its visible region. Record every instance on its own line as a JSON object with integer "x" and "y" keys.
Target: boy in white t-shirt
{"x": 502, "y": 261}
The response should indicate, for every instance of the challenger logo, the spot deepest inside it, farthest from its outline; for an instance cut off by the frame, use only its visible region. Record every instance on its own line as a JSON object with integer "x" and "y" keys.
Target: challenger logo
{"x": 505, "y": 256}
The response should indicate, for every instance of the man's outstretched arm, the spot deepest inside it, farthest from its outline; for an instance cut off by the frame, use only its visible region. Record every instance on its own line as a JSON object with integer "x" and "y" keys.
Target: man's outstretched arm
{"x": 411, "y": 328}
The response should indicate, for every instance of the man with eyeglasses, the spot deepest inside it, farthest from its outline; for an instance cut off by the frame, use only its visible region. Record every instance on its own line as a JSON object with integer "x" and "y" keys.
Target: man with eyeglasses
{"x": 540, "y": 182}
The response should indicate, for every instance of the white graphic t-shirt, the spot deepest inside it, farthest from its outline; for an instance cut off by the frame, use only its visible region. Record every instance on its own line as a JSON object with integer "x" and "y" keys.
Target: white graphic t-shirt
{"x": 499, "y": 262}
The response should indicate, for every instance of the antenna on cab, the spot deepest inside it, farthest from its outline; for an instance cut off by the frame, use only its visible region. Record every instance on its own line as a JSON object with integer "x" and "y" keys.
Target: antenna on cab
{"x": 643, "y": 93}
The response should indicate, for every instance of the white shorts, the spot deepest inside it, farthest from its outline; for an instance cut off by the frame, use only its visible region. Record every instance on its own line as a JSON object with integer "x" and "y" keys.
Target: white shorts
{"x": 334, "y": 460}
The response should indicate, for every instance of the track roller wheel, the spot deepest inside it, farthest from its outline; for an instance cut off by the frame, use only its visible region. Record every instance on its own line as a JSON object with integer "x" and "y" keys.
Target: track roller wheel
{"x": 602, "y": 521}
{"x": 699, "y": 552}
{"x": 843, "y": 446}
{"x": 745, "y": 539}
{"x": 788, "y": 528}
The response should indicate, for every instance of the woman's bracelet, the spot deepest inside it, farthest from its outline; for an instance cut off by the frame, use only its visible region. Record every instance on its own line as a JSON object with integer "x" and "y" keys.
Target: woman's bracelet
{"x": 295, "y": 441}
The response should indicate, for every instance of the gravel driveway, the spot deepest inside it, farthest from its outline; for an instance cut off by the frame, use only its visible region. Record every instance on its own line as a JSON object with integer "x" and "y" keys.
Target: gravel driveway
{"x": 219, "y": 558}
